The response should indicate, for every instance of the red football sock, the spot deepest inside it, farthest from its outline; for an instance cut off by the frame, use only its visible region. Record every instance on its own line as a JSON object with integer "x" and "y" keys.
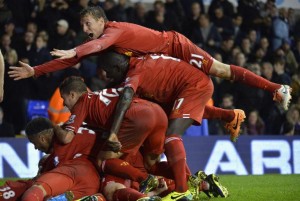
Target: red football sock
{"x": 162, "y": 169}
{"x": 123, "y": 169}
{"x": 176, "y": 156}
{"x": 187, "y": 170}
{"x": 247, "y": 77}
{"x": 212, "y": 112}
{"x": 34, "y": 193}
{"x": 127, "y": 194}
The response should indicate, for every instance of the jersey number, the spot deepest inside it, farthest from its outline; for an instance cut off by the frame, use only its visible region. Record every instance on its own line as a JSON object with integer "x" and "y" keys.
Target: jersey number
{"x": 8, "y": 194}
{"x": 196, "y": 60}
{"x": 104, "y": 95}
{"x": 178, "y": 103}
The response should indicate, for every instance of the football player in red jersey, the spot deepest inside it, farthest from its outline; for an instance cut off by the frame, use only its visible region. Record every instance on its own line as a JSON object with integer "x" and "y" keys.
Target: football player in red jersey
{"x": 135, "y": 40}
{"x": 73, "y": 169}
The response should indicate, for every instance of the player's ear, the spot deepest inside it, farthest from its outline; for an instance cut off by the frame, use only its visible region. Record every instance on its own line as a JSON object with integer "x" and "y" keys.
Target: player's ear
{"x": 72, "y": 94}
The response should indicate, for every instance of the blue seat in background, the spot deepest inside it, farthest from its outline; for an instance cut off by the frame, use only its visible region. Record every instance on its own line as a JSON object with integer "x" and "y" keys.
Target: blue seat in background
{"x": 37, "y": 108}
{"x": 198, "y": 130}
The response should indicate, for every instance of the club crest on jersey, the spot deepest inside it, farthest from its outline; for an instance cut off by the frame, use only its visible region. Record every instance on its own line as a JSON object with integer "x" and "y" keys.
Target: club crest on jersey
{"x": 128, "y": 54}
{"x": 56, "y": 160}
{"x": 71, "y": 119}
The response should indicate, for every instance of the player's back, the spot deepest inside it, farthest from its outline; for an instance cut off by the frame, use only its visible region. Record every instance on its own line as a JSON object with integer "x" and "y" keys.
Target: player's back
{"x": 136, "y": 40}
{"x": 95, "y": 109}
{"x": 162, "y": 78}
{"x": 85, "y": 144}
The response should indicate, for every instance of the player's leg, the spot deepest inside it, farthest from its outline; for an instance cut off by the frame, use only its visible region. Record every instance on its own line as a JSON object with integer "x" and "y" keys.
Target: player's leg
{"x": 123, "y": 169}
{"x": 176, "y": 156}
{"x": 115, "y": 188}
{"x": 155, "y": 120}
{"x": 78, "y": 175}
{"x": 153, "y": 146}
{"x": 233, "y": 119}
{"x": 282, "y": 93}
{"x": 184, "y": 49}
{"x": 44, "y": 188}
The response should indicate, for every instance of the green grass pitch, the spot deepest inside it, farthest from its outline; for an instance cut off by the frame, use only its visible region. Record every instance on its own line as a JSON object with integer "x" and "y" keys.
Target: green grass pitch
{"x": 271, "y": 187}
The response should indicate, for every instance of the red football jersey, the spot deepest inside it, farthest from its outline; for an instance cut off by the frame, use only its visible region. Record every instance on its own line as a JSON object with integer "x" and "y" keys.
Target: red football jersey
{"x": 93, "y": 108}
{"x": 162, "y": 78}
{"x": 134, "y": 40}
{"x": 85, "y": 144}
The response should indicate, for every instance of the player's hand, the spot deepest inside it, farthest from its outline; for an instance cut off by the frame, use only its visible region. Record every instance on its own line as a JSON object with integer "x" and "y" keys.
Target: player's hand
{"x": 21, "y": 72}
{"x": 63, "y": 54}
{"x": 113, "y": 144}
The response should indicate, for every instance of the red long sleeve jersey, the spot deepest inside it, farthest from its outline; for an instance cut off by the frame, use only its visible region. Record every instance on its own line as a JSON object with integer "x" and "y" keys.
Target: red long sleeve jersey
{"x": 85, "y": 144}
{"x": 125, "y": 38}
{"x": 162, "y": 78}
{"x": 95, "y": 109}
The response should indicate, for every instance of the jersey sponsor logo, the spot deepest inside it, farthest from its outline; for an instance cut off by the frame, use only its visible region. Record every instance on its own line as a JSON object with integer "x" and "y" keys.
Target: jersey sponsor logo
{"x": 124, "y": 163}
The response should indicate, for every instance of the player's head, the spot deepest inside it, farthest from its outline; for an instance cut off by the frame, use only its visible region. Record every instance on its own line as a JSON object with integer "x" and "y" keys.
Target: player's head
{"x": 93, "y": 20}
{"x": 115, "y": 65}
{"x": 39, "y": 132}
{"x": 71, "y": 89}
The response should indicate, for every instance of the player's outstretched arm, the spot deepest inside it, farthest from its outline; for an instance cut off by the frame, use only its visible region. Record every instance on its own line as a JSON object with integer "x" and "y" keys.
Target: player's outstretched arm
{"x": 20, "y": 72}
{"x": 2, "y": 71}
{"x": 121, "y": 108}
{"x": 63, "y": 54}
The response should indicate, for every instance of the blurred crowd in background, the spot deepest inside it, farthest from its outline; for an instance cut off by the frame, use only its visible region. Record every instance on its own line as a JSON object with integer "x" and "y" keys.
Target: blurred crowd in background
{"x": 256, "y": 35}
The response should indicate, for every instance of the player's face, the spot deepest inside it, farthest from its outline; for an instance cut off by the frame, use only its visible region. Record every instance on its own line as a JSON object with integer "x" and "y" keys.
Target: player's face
{"x": 41, "y": 142}
{"x": 92, "y": 27}
{"x": 115, "y": 74}
{"x": 69, "y": 99}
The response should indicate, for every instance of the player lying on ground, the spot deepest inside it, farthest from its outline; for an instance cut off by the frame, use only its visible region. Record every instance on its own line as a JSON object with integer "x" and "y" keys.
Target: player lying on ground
{"x": 135, "y": 40}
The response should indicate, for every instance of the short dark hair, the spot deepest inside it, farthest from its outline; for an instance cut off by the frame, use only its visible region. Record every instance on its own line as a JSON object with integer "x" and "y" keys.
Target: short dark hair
{"x": 38, "y": 125}
{"x": 95, "y": 11}
{"x": 73, "y": 83}
{"x": 112, "y": 59}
